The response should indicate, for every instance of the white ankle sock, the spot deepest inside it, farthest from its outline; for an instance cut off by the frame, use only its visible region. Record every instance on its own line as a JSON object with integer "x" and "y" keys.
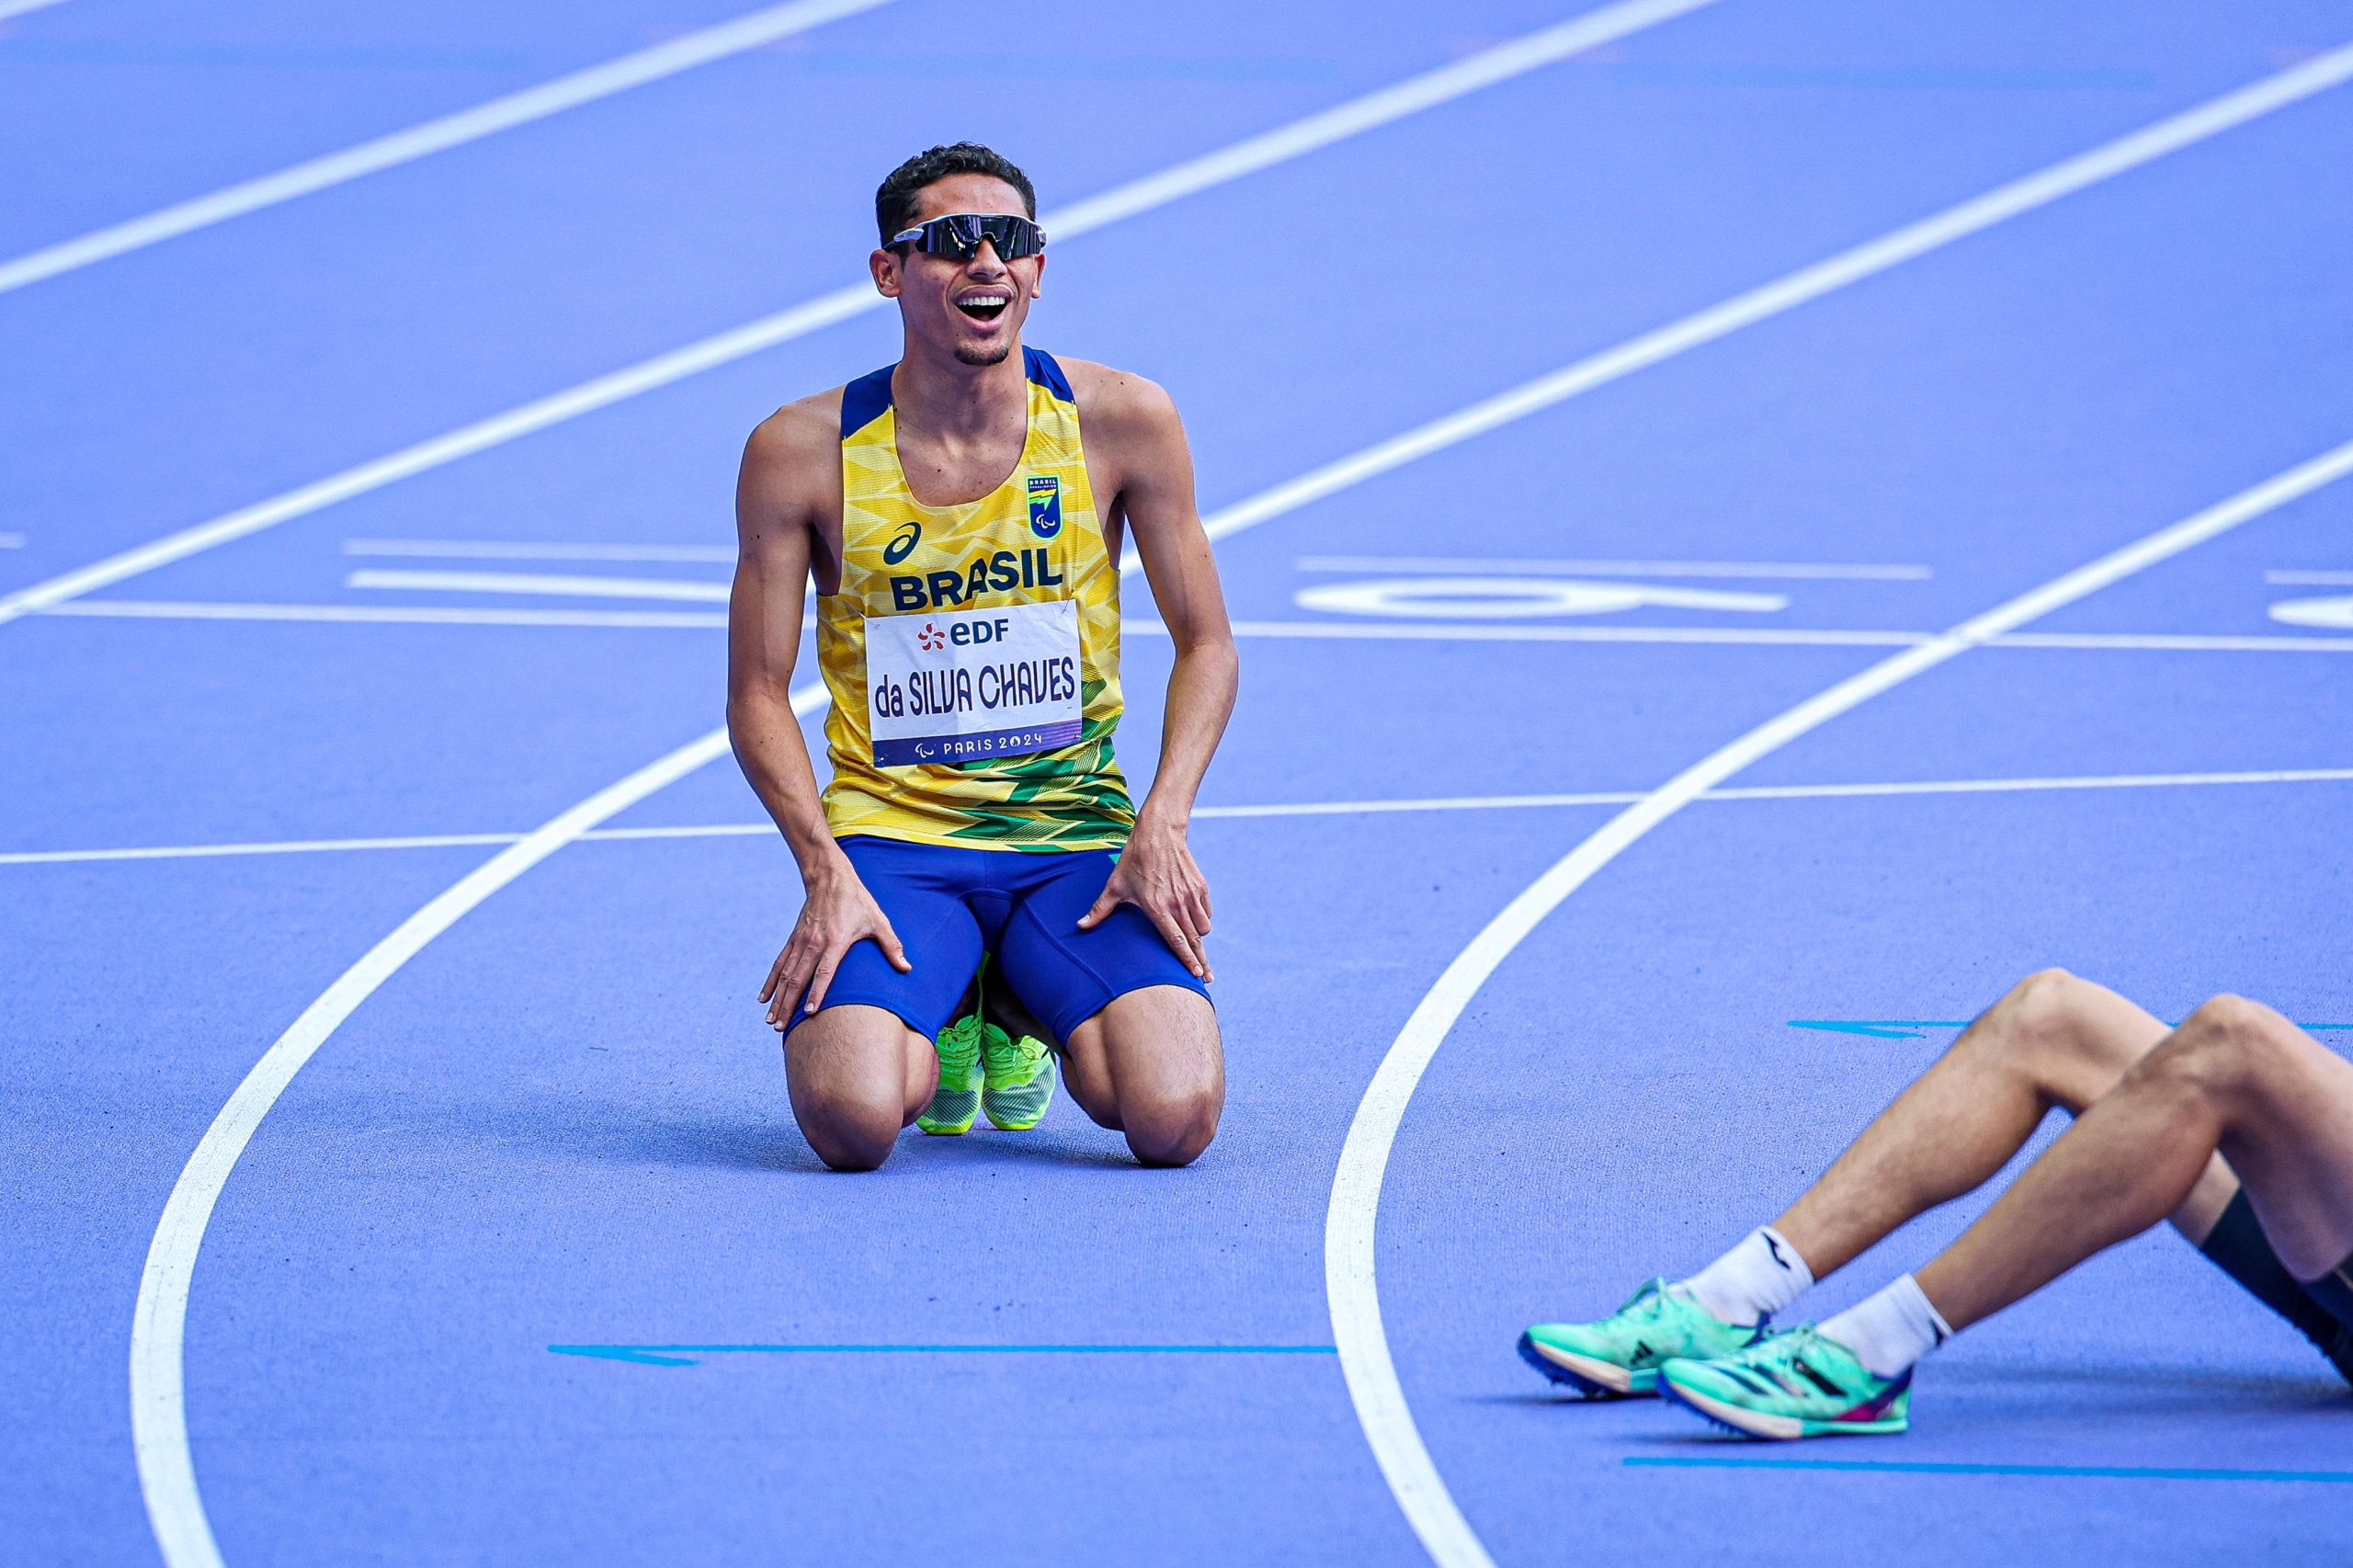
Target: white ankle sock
{"x": 1760, "y": 1276}
{"x": 1890, "y": 1331}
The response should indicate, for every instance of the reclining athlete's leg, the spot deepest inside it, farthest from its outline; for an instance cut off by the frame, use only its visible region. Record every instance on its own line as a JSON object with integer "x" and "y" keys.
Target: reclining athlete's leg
{"x": 2054, "y": 1041}
{"x": 2235, "y": 1078}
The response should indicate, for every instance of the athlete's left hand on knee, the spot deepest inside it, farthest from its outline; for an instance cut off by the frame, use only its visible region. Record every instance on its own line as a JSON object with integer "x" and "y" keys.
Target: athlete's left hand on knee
{"x": 1157, "y": 874}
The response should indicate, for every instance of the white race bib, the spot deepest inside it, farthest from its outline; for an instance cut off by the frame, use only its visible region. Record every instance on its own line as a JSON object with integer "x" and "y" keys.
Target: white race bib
{"x": 961, "y": 685}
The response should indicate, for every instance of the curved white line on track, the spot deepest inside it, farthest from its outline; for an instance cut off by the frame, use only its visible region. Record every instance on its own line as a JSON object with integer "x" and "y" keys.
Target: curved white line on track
{"x": 539, "y": 550}
{"x": 1279, "y": 145}
{"x": 314, "y": 174}
{"x": 565, "y": 586}
{"x": 1225, "y": 814}
{"x": 388, "y": 614}
{"x": 1350, "y": 1282}
{"x": 19, "y": 7}
{"x": 1472, "y": 566}
{"x": 158, "y": 1407}
{"x": 166, "y": 1470}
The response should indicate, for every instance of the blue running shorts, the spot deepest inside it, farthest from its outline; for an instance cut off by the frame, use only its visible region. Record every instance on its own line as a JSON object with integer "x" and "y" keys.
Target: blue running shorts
{"x": 950, "y": 904}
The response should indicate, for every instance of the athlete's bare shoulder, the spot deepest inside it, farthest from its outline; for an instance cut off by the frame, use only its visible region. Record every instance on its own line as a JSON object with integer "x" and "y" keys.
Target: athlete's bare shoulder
{"x": 1132, "y": 428}
{"x": 1117, "y": 401}
{"x": 791, "y": 475}
{"x": 802, "y": 433}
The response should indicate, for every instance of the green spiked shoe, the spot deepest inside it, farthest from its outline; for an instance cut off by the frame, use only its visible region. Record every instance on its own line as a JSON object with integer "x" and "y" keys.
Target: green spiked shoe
{"x": 1020, "y": 1080}
{"x": 958, "y": 1098}
{"x": 1620, "y": 1355}
{"x": 1798, "y": 1384}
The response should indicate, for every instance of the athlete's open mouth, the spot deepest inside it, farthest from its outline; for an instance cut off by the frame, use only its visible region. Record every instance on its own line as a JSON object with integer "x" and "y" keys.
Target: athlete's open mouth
{"x": 983, "y": 305}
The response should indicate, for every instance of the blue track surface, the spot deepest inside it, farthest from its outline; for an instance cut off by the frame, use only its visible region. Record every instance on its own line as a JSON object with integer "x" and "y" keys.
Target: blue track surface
{"x": 530, "y": 1265}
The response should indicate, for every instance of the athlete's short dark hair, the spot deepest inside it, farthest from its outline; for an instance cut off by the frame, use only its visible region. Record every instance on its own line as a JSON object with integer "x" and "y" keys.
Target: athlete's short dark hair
{"x": 895, "y": 203}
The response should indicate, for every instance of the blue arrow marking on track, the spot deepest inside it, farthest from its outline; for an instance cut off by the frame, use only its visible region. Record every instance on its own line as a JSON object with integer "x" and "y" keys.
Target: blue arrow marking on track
{"x": 623, "y": 1353}
{"x": 2064, "y": 1472}
{"x": 684, "y": 1355}
{"x": 1909, "y": 1028}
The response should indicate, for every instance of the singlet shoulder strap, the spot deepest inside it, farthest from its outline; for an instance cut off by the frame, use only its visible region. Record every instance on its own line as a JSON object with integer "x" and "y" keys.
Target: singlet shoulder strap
{"x": 864, "y": 400}
{"x": 1043, "y": 371}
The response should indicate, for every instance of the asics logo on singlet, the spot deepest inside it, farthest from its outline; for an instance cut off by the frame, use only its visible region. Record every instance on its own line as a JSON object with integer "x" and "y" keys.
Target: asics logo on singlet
{"x": 903, "y": 543}
{"x": 998, "y": 573}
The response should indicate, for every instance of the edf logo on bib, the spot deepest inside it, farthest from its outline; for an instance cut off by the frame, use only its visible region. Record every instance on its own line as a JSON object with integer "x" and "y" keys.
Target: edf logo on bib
{"x": 1045, "y": 505}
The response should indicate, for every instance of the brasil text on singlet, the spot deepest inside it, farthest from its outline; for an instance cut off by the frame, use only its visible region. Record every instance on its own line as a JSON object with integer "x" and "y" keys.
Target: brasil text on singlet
{"x": 972, "y": 652}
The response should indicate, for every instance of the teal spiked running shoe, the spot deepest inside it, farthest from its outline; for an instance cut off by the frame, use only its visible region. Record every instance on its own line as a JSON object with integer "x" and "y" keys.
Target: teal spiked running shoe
{"x": 1020, "y": 1075}
{"x": 1620, "y": 1355}
{"x": 1798, "y": 1384}
{"x": 958, "y": 1098}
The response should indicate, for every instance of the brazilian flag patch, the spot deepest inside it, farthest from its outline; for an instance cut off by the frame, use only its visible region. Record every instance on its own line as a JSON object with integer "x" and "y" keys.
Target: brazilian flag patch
{"x": 1045, "y": 505}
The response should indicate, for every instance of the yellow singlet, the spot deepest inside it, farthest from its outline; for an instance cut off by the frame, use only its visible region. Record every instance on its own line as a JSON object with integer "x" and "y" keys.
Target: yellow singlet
{"x": 972, "y": 652}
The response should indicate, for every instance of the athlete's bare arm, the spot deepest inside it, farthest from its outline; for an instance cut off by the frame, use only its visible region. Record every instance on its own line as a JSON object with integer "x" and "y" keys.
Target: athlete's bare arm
{"x": 1142, "y": 473}
{"x": 788, "y": 519}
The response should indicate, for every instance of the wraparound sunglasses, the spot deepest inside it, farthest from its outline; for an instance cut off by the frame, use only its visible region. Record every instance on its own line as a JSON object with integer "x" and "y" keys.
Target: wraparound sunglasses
{"x": 959, "y": 236}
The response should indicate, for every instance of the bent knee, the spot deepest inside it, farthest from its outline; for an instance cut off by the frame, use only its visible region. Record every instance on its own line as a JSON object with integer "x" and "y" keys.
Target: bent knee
{"x": 2224, "y": 1041}
{"x": 2052, "y": 1026}
{"x": 2235, "y": 1019}
{"x": 1172, "y": 1131}
{"x": 2045, "y": 1008}
{"x": 850, "y": 1137}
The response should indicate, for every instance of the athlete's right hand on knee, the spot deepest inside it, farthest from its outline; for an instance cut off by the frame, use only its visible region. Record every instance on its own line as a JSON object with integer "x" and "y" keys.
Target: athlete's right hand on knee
{"x": 836, "y": 913}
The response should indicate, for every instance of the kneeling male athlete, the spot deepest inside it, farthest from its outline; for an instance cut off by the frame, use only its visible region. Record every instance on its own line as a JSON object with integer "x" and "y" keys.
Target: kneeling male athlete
{"x": 965, "y": 545}
{"x": 2237, "y": 1125}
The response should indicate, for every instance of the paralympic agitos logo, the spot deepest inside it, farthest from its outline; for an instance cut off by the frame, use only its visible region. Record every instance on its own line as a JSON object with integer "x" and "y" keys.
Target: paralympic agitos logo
{"x": 903, "y": 543}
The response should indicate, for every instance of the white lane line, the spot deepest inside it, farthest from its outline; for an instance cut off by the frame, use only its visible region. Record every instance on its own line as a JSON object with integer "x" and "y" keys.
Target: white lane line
{"x": 12, "y": 541}
{"x": 433, "y": 136}
{"x": 525, "y": 550}
{"x": 1794, "y": 792}
{"x": 388, "y": 614}
{"x": 1787, "y": 637}
{"x": 159, "y": 1321}
{"x": 1490, "y": 599}
{"x": 2177, "y": 643}
{"x": 264, "y": 846}
{"x": 542, "y": 583}
{"x": 2310, "y": 579}
{"x": 1546, "y": 46}
{"x": 1793, "y": 289}
{"x": 167, "y": 1474}
{"x": 1264, "y": 151}
{"x": 18, "y": 8}
{"x": 1349, "y": 1226}
{"x": 1280, "y": 809}
{"x": 2010, "y": 786}
{"x": 1412, "y": 632}
{"x": 2335, "y": 614}
{"x": 1472, "y": 566}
